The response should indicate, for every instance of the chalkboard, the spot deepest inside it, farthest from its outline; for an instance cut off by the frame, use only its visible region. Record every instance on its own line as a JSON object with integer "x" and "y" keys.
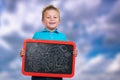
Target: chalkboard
{"x": 49, "y": 57}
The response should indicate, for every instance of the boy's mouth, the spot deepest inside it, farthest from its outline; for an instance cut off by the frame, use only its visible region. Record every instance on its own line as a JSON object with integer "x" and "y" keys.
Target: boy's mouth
{"x": 51, "y": 22}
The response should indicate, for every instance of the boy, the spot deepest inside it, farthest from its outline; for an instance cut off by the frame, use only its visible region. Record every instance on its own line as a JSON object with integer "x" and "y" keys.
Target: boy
{"x": 51, "y": 19}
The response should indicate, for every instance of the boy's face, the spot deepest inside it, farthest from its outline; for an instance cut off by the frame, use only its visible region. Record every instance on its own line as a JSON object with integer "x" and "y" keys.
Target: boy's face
{"x": 51, "y": 19}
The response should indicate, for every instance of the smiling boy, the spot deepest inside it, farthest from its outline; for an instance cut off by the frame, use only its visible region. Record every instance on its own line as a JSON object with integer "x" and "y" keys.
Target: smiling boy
{"x": 51, "y": 19}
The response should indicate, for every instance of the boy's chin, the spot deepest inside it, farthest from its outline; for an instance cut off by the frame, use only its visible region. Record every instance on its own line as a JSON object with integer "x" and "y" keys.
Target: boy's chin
{"x": 52, "y": 28}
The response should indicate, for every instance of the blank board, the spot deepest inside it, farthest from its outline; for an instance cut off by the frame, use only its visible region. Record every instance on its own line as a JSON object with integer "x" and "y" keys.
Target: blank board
{"x": 48, "y": 58}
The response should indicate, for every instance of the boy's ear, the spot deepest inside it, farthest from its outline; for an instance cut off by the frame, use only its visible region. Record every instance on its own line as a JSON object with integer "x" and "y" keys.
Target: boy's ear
{"x": 59, "y": 21}
{"x": 43, "y": 22}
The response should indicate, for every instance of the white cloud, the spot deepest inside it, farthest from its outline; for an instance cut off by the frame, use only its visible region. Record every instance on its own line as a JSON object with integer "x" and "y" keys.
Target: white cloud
{"x": 70, "y": 5}
{"x": 88, "y": 65}
{"x": 101, "y": 27}
{"x": 115, "y": 65}
{"x": 5, "y": 45}
{"x": 96, "y": 28}
{"x": 84, "y": 46}
{"x": 13, "y": 22}
{"x": 5, "y": 76}
{"x": 95, "y": 77}
{"x": 92, "y": 29}
{"x": 91, "y": 4}
{"x": 15, "y": 64}
{"x": 93, "y": 62}
{"x": 108, "y": 29}
{"x": 56, "y": 2}
{"x": 88, "y": 4}
{"x": 115, "y": 8}
{"x": 14, "y": 75}
{"x": 9, "y": 23}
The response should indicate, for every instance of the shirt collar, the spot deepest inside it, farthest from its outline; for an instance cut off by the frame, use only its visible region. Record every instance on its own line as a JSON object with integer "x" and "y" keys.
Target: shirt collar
{"x": 46, "y": 30}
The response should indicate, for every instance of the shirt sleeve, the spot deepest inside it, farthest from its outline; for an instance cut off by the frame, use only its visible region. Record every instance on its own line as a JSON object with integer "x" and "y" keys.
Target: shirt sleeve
{"x": 34, "y": 36}
{"x": 64, "y": 38}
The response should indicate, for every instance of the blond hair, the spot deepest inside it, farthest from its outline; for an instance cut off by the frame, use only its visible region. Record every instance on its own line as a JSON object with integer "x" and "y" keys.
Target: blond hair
{"x": 49, "y": 7}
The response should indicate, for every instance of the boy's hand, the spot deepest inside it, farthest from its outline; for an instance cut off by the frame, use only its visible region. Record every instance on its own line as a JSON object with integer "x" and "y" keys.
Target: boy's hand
{"x": 75, "y": 52}
{"x": 22, "y": 52}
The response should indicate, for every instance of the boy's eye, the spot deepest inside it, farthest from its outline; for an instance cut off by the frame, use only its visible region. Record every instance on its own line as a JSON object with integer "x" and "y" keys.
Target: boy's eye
{"x": 55, "y": 17}
{"x": 48, "y": 17}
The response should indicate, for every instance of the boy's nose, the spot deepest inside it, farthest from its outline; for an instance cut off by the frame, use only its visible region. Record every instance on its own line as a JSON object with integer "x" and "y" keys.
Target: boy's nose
{"x": 51, "y": 18}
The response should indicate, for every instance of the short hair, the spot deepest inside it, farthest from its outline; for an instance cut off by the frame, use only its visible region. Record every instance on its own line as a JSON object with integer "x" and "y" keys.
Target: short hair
{"x": 49, "y": 7}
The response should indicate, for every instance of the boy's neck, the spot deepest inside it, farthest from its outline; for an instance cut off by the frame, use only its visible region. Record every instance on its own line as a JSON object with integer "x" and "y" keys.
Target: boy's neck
{"x": 51, "y": 30}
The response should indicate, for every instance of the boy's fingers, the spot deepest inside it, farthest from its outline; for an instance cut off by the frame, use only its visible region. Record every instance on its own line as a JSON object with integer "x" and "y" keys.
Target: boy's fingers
{"x": 22, "y": 53}
{"x": 75, "y": 52}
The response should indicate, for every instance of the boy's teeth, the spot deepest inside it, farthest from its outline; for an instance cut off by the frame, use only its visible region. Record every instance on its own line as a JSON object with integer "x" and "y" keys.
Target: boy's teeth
{"x": 52, "y": 23}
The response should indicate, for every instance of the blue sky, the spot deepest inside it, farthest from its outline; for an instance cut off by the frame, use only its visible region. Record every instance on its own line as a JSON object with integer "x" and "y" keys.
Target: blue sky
{"x": 92, "y": 24}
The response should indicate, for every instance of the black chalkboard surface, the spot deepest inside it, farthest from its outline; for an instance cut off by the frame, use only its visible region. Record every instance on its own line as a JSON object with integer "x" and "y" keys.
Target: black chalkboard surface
{"x": 48, "y": 58}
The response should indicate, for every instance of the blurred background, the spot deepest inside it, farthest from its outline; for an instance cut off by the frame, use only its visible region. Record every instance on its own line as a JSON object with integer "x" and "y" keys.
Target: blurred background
{"x": 93, "y": 24}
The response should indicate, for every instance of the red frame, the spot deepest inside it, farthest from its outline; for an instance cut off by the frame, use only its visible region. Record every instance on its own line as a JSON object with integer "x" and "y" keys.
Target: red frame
{"x": 48, "y": 74}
